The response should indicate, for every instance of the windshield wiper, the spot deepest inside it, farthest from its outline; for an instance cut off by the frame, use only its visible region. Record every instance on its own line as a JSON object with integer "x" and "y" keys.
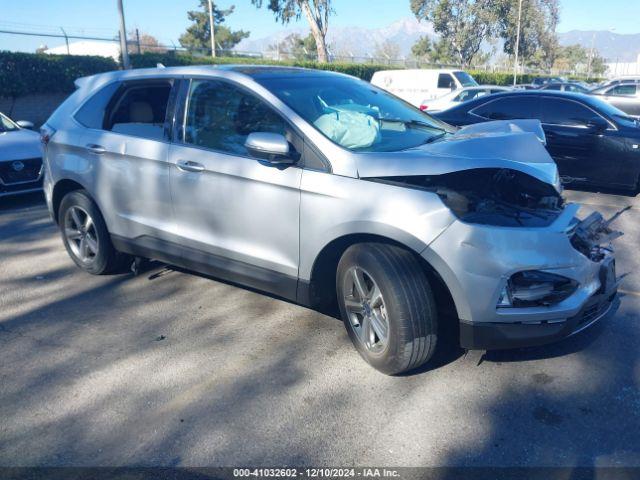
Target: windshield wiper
{"x": 435, "y": 137}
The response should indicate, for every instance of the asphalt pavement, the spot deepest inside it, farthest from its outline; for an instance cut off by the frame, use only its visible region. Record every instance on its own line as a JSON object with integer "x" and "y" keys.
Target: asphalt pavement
{"x": 172, "y": 368}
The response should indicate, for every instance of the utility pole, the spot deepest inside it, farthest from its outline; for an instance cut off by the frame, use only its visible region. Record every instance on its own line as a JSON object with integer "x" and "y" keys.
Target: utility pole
{"x": 213, "y": 42}
{"x": 123, "y": 38}
{"x": 66, "y": 40}
{"x": 593, "y": 41}
{"x": 515, "y": 63}
{"x": 138, "y": 41}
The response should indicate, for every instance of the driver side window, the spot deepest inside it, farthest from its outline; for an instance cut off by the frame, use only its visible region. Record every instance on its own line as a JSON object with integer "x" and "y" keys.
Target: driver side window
{"x": 220, "y": 116}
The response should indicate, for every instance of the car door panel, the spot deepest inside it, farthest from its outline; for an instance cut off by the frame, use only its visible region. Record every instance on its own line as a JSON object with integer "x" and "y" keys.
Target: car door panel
{"x": 234, "y": 212}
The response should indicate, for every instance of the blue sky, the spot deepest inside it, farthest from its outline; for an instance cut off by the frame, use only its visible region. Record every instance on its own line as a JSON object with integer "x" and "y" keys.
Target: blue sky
{"x": 166, "y": 19}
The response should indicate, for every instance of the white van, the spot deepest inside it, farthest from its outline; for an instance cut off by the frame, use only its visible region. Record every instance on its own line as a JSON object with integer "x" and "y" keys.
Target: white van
{"x": 415, "y": 86}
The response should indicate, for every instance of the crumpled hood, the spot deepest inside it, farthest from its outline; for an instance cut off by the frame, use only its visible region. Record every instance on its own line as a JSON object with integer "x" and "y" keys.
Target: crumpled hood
{"x": 20, "y": 144}
{"x": 516, "y": 145}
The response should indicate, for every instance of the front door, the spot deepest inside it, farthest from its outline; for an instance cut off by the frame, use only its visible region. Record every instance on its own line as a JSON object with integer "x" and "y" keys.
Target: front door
{"x": 578, "y": 149}
{"x": 235, "y": 214}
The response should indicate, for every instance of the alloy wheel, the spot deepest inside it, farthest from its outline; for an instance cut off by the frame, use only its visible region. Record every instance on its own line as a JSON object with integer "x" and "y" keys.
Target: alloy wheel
{"x": 366, "y": 309}
{"x": 81, "y": 235}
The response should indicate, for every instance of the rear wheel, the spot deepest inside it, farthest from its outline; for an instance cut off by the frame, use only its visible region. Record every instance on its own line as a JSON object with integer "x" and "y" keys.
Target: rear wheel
{"x": 387, "y": 306}
{"x": 85, "y": 235}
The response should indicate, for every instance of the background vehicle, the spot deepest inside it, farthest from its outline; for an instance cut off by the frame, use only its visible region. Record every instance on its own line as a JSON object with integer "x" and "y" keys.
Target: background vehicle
{"x": 565, "y": 87}
{"x": 323, "y": 189}
{"x": 590, "y": 140}
{"x": 460, "y": 95}
{"x": 623, "y": 95}
{"x": 415, "y": 86}
{"x": 540, "y": 81}
{"x": 20, "y": 157}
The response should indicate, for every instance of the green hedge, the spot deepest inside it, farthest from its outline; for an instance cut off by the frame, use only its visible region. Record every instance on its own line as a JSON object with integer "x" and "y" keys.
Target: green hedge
{"x": 149, "y": 60}
{"x": 24, "y": 73}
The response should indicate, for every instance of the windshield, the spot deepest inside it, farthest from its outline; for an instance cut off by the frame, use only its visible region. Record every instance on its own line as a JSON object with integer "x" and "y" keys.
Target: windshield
{"x": 6, "y": 125}
{"x": 465, "y": 79}
{"x": 354, "y": 114}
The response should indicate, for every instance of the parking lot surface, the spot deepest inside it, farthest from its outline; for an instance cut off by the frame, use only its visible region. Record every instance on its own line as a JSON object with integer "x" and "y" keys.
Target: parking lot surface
{"x": 172, "y": 368}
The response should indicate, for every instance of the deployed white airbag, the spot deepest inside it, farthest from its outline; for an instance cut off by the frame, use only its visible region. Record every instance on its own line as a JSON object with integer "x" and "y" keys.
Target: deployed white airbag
{"x": 349, "y": 129}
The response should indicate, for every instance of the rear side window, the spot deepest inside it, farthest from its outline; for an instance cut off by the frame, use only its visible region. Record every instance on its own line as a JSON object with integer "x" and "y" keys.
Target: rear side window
{"x": 557, "y": 111}
{"x": 445, "y": 81}
{"x": 624, "y": 89}
{"x": 139, "y": 109}
{"x": 91, "y": 114}
{"x": 509, "y": 108}
{"x": 220, "y": 116}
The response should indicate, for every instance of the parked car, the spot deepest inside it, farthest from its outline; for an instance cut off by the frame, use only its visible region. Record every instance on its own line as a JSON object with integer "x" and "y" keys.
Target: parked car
{"x": 618, "y": 80}
{"x": 20, "y": 157}
{"x": 323, "y": 189}
{"x": 458, "y": 96}
{"x": 590, "y": 140}
{"x": 540, "y": 81}
{"x": 624, "y": 95}
{"x": 565, "y": 87}
{"x": 415, "y": 86}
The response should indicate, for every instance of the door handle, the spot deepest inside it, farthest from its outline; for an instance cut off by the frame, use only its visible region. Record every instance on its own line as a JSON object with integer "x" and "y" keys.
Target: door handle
{"x": 97, "y": 149}
{"x": 189, "y": 166}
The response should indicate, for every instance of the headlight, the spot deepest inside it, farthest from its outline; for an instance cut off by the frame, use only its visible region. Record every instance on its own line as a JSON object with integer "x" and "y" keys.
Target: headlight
{"x": 533, "y": 288}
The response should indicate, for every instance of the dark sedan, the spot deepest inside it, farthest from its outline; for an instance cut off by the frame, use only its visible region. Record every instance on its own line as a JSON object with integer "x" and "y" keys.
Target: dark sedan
{"x": 591, "y": 141}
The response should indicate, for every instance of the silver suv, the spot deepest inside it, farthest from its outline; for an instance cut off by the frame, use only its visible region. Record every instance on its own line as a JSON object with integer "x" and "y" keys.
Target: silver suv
{"x": 325, "y": 190}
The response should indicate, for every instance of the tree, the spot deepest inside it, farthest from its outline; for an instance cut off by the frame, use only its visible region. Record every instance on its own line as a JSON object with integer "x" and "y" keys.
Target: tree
{"x": 198, "y": 35}
{"x": 464, "y": 24}
{"x": 387, "y": 50}
{"x": 316, "y": 12}
{"x": 147, "y": 42}
{"x": 539, "y": 19}
{"x": 433, "y": 52}
{"x": 576, "y": 58}
{"x": 296, "y": 47}
{"x": 422, "y": 49}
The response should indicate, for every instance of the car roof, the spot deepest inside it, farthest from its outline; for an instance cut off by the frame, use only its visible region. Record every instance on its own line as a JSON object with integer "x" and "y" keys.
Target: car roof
{"x": 582, "y": 97}
{"x": 252, "y": 71}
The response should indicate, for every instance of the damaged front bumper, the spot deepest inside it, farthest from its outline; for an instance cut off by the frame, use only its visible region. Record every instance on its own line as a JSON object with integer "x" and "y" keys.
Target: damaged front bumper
{"x": 477, "y": 261}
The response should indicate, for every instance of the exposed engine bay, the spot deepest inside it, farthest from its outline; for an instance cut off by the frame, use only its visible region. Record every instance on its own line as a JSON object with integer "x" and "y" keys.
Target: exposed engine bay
{"x": 491, "y": 196}
{"x": 593, "y": 235}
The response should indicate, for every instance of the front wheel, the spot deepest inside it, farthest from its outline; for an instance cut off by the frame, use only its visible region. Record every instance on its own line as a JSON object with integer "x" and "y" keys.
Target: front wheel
{"x": 85, "y": 235}
{"x": 387, "y": 306}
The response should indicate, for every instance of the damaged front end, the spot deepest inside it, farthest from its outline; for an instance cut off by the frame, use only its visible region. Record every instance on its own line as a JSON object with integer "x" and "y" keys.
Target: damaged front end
{"x": 593, "y": 236}
{"x": 490, "y": 196}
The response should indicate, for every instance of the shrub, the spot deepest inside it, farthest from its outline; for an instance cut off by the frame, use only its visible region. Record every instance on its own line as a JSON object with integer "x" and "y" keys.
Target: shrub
{"x": 24, "y": 73}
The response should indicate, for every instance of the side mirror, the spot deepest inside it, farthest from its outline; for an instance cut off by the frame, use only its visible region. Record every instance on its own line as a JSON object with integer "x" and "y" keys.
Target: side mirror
{"x": 25, "y": 124}
{"x": 597, "y": 124}
{"x": 272, "y": 147}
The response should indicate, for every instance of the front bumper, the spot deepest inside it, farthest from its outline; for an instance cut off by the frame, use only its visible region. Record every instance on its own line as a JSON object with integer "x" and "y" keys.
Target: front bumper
{"x": 476, "y": 261}
{"x": 497, "y": 336}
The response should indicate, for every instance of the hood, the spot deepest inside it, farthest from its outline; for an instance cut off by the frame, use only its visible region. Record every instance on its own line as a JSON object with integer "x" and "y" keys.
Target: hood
{"x": 20, "y": 144}
{"x": 515, "y": 145}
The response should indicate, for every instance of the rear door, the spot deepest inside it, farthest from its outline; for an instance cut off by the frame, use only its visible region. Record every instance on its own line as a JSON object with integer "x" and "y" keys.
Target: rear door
{"x": 128, "y": 152}
{"x": 234, "y": 214}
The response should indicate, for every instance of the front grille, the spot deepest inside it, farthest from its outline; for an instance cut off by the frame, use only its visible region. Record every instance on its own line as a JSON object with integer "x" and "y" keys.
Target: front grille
{"x": 20, "y": 171}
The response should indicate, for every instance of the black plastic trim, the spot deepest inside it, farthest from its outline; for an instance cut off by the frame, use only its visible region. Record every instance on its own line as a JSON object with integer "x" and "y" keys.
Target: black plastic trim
{"x": 234, "y": 271}
{"x": 499, "y": 336}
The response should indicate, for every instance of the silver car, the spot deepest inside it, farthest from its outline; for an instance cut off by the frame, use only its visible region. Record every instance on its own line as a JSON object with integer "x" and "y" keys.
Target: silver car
{"x": 20, "y": 157}
{"x": 325, "y": 190}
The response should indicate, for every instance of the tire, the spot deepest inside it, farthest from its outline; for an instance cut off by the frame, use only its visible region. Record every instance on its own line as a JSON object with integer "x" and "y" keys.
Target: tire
{"x": 88, "y": 243}
{"x": 406, "y": 305}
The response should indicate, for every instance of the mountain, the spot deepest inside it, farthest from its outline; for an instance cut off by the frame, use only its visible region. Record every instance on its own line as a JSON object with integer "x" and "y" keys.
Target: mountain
{"x": 352, "y": 41}
{"x": 362, "y": 42}
{"x": 610, "y": 45}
